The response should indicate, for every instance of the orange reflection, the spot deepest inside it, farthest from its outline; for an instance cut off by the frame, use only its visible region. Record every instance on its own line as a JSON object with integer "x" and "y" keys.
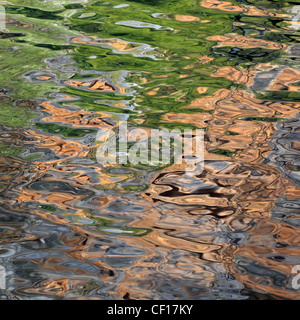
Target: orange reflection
{"x": 186, "y": 18}
{"x": 228, "y": 6}
{"x": 246, "y": 42}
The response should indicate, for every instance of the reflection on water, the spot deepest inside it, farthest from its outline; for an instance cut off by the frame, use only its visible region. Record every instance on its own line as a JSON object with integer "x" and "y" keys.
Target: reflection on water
{"x": 117, "y": 45}
{"x": 72, "y": 228}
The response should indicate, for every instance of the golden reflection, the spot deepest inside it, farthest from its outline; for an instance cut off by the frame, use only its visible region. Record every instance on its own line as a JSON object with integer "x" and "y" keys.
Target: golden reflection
{"x": 239, "y": 76}
{"x": 245, "y": 42}
{"x": 94, "y": 85}
{"x": 118, "y": 44}
{"x": 18, "y": 23}
{"x": 75, "y": 118}
{"x": 185, "y": 18}
{"x": 228, "y": 6}
{"x": 201, "y": 60}
{"x": 286, "y": 80}
{"x": 221, "y": 5}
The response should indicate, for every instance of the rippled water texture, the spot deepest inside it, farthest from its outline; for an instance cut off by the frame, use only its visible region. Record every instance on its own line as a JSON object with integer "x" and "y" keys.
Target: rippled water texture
{"x": 71, "y": 228}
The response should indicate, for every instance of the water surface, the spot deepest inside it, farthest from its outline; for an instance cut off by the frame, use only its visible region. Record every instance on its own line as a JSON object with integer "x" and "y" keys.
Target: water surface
{"x": 71, "y": 228}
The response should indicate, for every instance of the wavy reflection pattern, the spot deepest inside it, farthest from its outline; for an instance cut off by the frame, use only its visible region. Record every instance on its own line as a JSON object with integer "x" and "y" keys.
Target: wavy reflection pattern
{"x": 72, "y": 228}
